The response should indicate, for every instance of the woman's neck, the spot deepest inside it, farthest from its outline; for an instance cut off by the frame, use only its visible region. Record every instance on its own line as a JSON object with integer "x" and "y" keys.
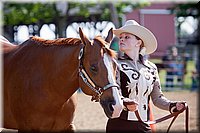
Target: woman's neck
{"x": 133, "y": 55}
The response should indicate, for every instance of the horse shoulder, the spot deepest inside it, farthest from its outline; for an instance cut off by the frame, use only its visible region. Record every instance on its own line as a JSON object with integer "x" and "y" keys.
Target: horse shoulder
{"x": 65, "y": 116}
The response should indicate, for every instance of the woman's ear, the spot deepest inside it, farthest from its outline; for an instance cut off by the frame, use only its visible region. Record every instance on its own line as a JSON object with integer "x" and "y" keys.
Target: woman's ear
{"x": 139, "y": 43}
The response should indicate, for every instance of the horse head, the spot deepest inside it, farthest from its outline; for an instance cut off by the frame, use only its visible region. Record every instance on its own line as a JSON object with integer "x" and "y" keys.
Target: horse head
{"x": 97, "y": 73}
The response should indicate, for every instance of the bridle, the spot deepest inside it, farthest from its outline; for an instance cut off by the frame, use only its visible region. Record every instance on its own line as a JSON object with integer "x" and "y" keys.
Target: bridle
{"x": 89, "y": 82}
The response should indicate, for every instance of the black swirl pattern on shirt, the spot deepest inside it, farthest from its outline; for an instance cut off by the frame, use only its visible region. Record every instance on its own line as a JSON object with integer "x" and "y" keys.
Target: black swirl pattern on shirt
{"x": 135, "y": 74}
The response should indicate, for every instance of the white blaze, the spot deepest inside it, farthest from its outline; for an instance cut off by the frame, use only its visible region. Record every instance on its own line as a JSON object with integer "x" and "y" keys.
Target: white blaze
{"x": 111, "y": 79}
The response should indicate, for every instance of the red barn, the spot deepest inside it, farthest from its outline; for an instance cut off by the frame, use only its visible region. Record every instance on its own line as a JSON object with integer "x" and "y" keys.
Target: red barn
{"x": 160, "y": 21}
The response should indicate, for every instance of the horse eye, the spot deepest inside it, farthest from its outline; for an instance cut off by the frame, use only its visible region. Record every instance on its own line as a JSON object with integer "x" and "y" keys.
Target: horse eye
{"x": 93, "y": 69}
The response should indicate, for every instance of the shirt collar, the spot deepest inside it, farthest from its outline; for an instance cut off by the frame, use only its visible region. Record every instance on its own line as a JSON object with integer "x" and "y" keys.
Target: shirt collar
{"x": 125, "y": 57}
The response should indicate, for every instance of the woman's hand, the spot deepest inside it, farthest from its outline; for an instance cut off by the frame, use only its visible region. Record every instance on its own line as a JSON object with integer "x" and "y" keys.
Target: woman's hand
{"x": 180, "y": 105}
{"x": 130, "y": 105}
{"x": 177, "y": 106}
{"x": 133, "y": 107}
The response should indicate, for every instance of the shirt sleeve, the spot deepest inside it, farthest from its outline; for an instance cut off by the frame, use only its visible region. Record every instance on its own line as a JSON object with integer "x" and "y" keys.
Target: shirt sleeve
{"x": 158, "y": 98}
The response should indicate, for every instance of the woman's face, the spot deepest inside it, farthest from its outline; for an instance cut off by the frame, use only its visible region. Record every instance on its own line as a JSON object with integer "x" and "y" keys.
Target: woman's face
{"x": 127, "y": 42}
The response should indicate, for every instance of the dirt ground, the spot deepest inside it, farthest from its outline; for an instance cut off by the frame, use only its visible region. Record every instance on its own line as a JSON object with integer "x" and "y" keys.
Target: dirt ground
{"x": 90, "y": 116}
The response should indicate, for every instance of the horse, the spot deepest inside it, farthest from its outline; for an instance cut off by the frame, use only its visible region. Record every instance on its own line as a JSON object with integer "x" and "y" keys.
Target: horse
{"x": 41, "y": 78}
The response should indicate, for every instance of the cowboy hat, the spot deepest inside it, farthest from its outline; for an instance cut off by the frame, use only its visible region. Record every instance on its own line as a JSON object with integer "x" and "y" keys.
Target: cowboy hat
{"x": 131, "y": 26}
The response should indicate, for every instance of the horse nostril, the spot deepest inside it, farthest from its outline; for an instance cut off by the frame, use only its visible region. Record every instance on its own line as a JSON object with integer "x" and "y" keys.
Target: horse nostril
{"x": 111, "y": 106}
{"x": 108, "y": 106}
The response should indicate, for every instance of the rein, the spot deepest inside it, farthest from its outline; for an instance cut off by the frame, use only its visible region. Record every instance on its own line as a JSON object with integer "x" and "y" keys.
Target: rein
{"x": 174, "y": 115}
{"x": 88, "y": 81}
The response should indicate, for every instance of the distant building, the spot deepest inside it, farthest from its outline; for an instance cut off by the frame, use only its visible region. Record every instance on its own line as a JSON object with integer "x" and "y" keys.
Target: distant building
{"x": 160, "y": 21}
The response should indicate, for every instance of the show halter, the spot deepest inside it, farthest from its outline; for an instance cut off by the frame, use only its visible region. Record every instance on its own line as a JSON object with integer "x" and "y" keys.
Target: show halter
{"x": 88, "y": 81}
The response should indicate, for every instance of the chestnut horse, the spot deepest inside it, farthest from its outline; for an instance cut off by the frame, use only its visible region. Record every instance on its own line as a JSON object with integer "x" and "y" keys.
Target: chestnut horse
{"x": 41, "y": 78}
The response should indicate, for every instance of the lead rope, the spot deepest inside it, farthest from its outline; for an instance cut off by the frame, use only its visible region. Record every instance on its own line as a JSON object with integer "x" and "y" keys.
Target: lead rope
{"x": 186, "y": 119}
{"x": 174, "y": 114}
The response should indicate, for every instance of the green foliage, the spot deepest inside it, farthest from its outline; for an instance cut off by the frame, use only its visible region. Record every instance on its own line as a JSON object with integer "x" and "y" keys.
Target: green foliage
{"x": 28, "y": 13}
{"x": 84, "y": 9}
{"x": 104, "y": 8}
{"x": 134, "y": 5}
{"x": 186, "y": 9}
{"x": 106, "y": 14}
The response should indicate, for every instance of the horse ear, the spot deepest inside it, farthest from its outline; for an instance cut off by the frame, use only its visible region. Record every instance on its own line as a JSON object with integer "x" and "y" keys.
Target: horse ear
{"x": 84, "y": 39}
{"x": 110, "y": 36}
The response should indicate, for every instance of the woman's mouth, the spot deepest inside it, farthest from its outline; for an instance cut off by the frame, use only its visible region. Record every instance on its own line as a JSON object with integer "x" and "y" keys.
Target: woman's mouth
{"x": 122, "y": 44}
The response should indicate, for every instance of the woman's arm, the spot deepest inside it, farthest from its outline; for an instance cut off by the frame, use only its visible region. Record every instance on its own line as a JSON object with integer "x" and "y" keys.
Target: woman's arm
{"x": 161, "y": 101}
{"x": 158, "y": 98}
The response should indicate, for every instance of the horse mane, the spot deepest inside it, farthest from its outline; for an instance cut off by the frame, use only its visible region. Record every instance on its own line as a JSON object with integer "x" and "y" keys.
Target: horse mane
{"x": 59, "y": 41}
{"x": 104, "y": 44}
{"x": 73, "y": 41}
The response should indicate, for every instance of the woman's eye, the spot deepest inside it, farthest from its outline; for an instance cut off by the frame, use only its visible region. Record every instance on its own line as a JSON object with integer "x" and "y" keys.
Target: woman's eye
{"x": 126, "y": 37}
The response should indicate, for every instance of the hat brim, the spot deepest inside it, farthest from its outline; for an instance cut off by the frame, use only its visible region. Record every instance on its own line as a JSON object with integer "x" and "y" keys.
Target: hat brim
{"x": 143, "y": 33}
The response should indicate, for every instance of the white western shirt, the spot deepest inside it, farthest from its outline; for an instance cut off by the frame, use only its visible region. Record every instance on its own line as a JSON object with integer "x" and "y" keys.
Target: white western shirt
{"x": 140, "y": 82}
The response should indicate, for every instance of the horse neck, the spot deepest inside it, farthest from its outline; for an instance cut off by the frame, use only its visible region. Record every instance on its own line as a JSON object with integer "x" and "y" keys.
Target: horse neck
{"x": 55, "y": 66}
{"x": 68, "y": 77}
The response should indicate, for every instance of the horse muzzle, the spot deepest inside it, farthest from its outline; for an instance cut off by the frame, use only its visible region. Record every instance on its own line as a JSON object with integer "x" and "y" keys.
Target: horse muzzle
{"x": 111, "y": 109}
{"x": 112, "y": 106}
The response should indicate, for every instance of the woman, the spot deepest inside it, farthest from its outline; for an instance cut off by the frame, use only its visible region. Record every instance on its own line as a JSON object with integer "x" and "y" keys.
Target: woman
{"x": 138, "y": 79}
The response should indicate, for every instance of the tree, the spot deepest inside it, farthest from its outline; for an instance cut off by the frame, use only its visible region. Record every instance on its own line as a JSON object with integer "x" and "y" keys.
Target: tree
{"x": 188, "y": 9}
{"x": 37, "y": 14}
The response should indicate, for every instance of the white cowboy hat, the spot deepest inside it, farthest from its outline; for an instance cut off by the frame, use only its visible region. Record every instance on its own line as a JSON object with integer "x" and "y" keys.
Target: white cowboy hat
{"x": 131, "y": 26}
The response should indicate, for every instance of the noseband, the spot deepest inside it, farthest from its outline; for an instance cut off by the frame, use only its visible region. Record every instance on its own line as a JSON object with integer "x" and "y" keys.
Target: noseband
{"x": 89, "y": 82}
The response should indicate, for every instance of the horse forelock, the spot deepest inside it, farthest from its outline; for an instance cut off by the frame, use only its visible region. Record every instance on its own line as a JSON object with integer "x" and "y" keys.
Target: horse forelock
{"x": 59, "y": 41}
{"x": 104, "y": 44}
